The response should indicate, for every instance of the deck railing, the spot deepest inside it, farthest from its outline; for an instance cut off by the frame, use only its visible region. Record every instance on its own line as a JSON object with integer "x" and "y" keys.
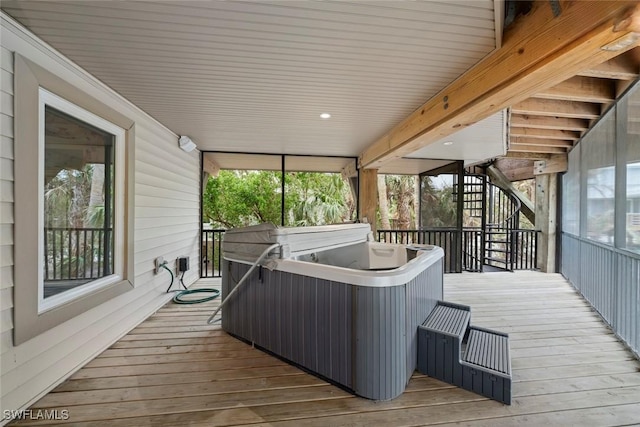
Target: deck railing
{"x": 76, "y": 253}
{"x": 446, "y": 238}
{"x": 524, "y": 252}
{"x": 519, "y": 255}
{"x": 211, "y": 253}
{"x": 471, "y": 255}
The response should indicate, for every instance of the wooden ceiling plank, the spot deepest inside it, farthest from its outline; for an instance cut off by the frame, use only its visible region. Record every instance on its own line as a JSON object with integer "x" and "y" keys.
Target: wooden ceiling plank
{"x": 544, "y": 133}
{"x": 556, "y": 108}
{"x": 622, "y": 67}
{"x": 541, "y": 142}
{"x": 546, "y": 122}
{"x": 541, "y": 51}
{"x": 530, "y": 149}
{"x": 527, "y": 155}
{"x": 583, "y": 89}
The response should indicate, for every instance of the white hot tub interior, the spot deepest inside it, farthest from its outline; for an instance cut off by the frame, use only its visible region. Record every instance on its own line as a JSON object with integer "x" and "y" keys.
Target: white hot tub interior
{"x": 364, "y": 256}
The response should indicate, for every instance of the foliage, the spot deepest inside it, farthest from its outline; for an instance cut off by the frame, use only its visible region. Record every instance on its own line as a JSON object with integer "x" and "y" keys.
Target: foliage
{"x": 316, "y": 199}
{"x": 241, "y": 198}
{"x": 438, "y": 204}
{"x": 67, "y": 197}
{"x": 401, "y": 200}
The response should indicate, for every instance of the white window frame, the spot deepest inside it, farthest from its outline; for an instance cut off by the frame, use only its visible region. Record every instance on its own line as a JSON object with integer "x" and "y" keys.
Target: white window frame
{"x": 47, "y": 98}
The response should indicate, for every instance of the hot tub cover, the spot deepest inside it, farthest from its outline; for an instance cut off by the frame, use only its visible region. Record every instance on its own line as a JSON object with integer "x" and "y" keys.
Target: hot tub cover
{"x": 247, "y": 243}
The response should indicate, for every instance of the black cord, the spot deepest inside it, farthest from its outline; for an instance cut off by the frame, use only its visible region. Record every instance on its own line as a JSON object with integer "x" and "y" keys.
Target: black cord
{"x": 182, "y": 282}
{"x": 171, "y": 273}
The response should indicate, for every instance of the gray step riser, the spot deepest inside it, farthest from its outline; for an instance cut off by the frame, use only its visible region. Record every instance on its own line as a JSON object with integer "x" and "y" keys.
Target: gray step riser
{"x": 440, "y": 353}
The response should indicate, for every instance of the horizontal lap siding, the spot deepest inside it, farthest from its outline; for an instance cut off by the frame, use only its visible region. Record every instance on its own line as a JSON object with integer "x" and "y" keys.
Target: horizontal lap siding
{"x": 165, "y": 220}
{"x": 6, "y": 199}
{"x": 609, "y": 280}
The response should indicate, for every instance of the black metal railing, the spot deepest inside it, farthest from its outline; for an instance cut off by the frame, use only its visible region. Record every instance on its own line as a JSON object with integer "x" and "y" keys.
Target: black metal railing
{"x": 76, "y": 253}
{"x": 211, "y": 253}
{"x": 446, "y": 238}
{"x": 524, "y": 252}
{"x": 472, "y": 249}
{"x": 519, "y": 254}
{"x": 470, "y": 256}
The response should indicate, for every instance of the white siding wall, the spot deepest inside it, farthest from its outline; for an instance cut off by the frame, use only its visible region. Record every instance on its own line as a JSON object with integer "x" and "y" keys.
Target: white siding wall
{"x": 166, "y": 222}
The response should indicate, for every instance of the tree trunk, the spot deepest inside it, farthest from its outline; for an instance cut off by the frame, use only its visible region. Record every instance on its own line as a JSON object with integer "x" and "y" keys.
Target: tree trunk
{"x": 96, "y": 197}
{"x": 416, "y": 202}
{"x": 382, "y": 203}
{"x": 405, "y": 196}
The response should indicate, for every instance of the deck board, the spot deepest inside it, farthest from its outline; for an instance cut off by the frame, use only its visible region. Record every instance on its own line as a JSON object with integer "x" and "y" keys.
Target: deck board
{"x": 568, "y": 369}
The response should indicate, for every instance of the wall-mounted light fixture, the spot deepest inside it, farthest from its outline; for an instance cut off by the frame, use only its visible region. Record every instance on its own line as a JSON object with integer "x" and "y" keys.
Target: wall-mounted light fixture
{"x": 186, "y": 144}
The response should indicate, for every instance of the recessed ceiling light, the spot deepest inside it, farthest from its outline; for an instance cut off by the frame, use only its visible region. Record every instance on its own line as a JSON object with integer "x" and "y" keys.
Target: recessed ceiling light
{"x": 447, "y": 143}
{"x": 325, "y": 116}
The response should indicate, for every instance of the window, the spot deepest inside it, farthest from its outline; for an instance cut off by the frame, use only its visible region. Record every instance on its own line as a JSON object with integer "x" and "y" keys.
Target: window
{"x": 82, "y": 201}
{"x": 64, "y": 137}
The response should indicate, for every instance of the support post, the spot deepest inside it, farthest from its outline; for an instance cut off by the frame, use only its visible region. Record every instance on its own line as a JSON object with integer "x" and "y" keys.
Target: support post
{"x": 459, "y": 217}
{"x": 368, "y": 197}
{"x": 546, "y": 213}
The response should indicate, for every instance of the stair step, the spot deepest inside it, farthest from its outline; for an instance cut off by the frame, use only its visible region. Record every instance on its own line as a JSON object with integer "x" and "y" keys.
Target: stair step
{"x": 439, "y": 341}
{"x": 486, "y": 364}
{"x": 489, "y": 350}
{"x": 448, "y": 318}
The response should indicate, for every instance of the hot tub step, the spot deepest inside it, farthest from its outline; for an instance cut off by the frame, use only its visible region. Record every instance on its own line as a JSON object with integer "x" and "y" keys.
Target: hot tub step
{"x": 486, "y": 365}
{"x": 439, "y": 342}
{"x": 474, "y": 358}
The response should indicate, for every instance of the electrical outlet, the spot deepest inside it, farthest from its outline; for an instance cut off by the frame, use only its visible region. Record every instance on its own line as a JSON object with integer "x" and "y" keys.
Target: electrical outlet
{"x": 158, "y": 262}
{"x": 183, "y": 264}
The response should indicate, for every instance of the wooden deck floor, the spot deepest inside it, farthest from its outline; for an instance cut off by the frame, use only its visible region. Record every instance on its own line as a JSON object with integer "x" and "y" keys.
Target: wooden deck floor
{"x": 568, "y": 368}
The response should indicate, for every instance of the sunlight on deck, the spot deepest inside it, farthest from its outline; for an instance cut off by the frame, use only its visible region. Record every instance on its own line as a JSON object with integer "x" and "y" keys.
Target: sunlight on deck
{"x": 173, "y": 369}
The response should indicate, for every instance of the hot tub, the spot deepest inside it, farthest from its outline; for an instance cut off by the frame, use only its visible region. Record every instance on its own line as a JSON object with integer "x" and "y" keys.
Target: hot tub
{"x": 333, "y": 301}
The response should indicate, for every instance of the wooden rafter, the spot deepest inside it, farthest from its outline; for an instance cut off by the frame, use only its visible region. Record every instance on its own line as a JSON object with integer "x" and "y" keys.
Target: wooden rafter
{"x": 540, "y": 52}
{"x": 545, "y": 122}
{"x": 622, "y": 67}
{"x": 558, "y": 108}
{"x": 527, "y": 148}
{"x": 540, "y": 142}
{"x": 580, "y": 88}
{"x": 544, "y": 133}
{"x": 527, "y": 155}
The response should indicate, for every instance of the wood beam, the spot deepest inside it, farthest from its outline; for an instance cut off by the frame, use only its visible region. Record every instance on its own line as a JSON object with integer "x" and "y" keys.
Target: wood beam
{"x": 556, "y": 164}
{"x": 526, "y": 206}
{"x": 516, "y": 169}
{"x": 525, "y": 148}
{"x": 544, "y": 122}
{"x": 521, "y": 140}
{"x": 368, "y": 194}
{"x": 546, "y": 212}
{"x": 622, "y": 67}
{"x": 556, "y": 108}
{"x": 210, "y": 166}
{"x": 527, "y": 155}
{"x": 566, "y": 135}
{"x": 582, "y": 89}
{"x": 539, "y": 51}
{"x": 350, "y": 170}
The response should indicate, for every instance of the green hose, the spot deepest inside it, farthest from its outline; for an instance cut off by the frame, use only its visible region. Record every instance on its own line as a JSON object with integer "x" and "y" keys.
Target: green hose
{"x": 178, "y": 297}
